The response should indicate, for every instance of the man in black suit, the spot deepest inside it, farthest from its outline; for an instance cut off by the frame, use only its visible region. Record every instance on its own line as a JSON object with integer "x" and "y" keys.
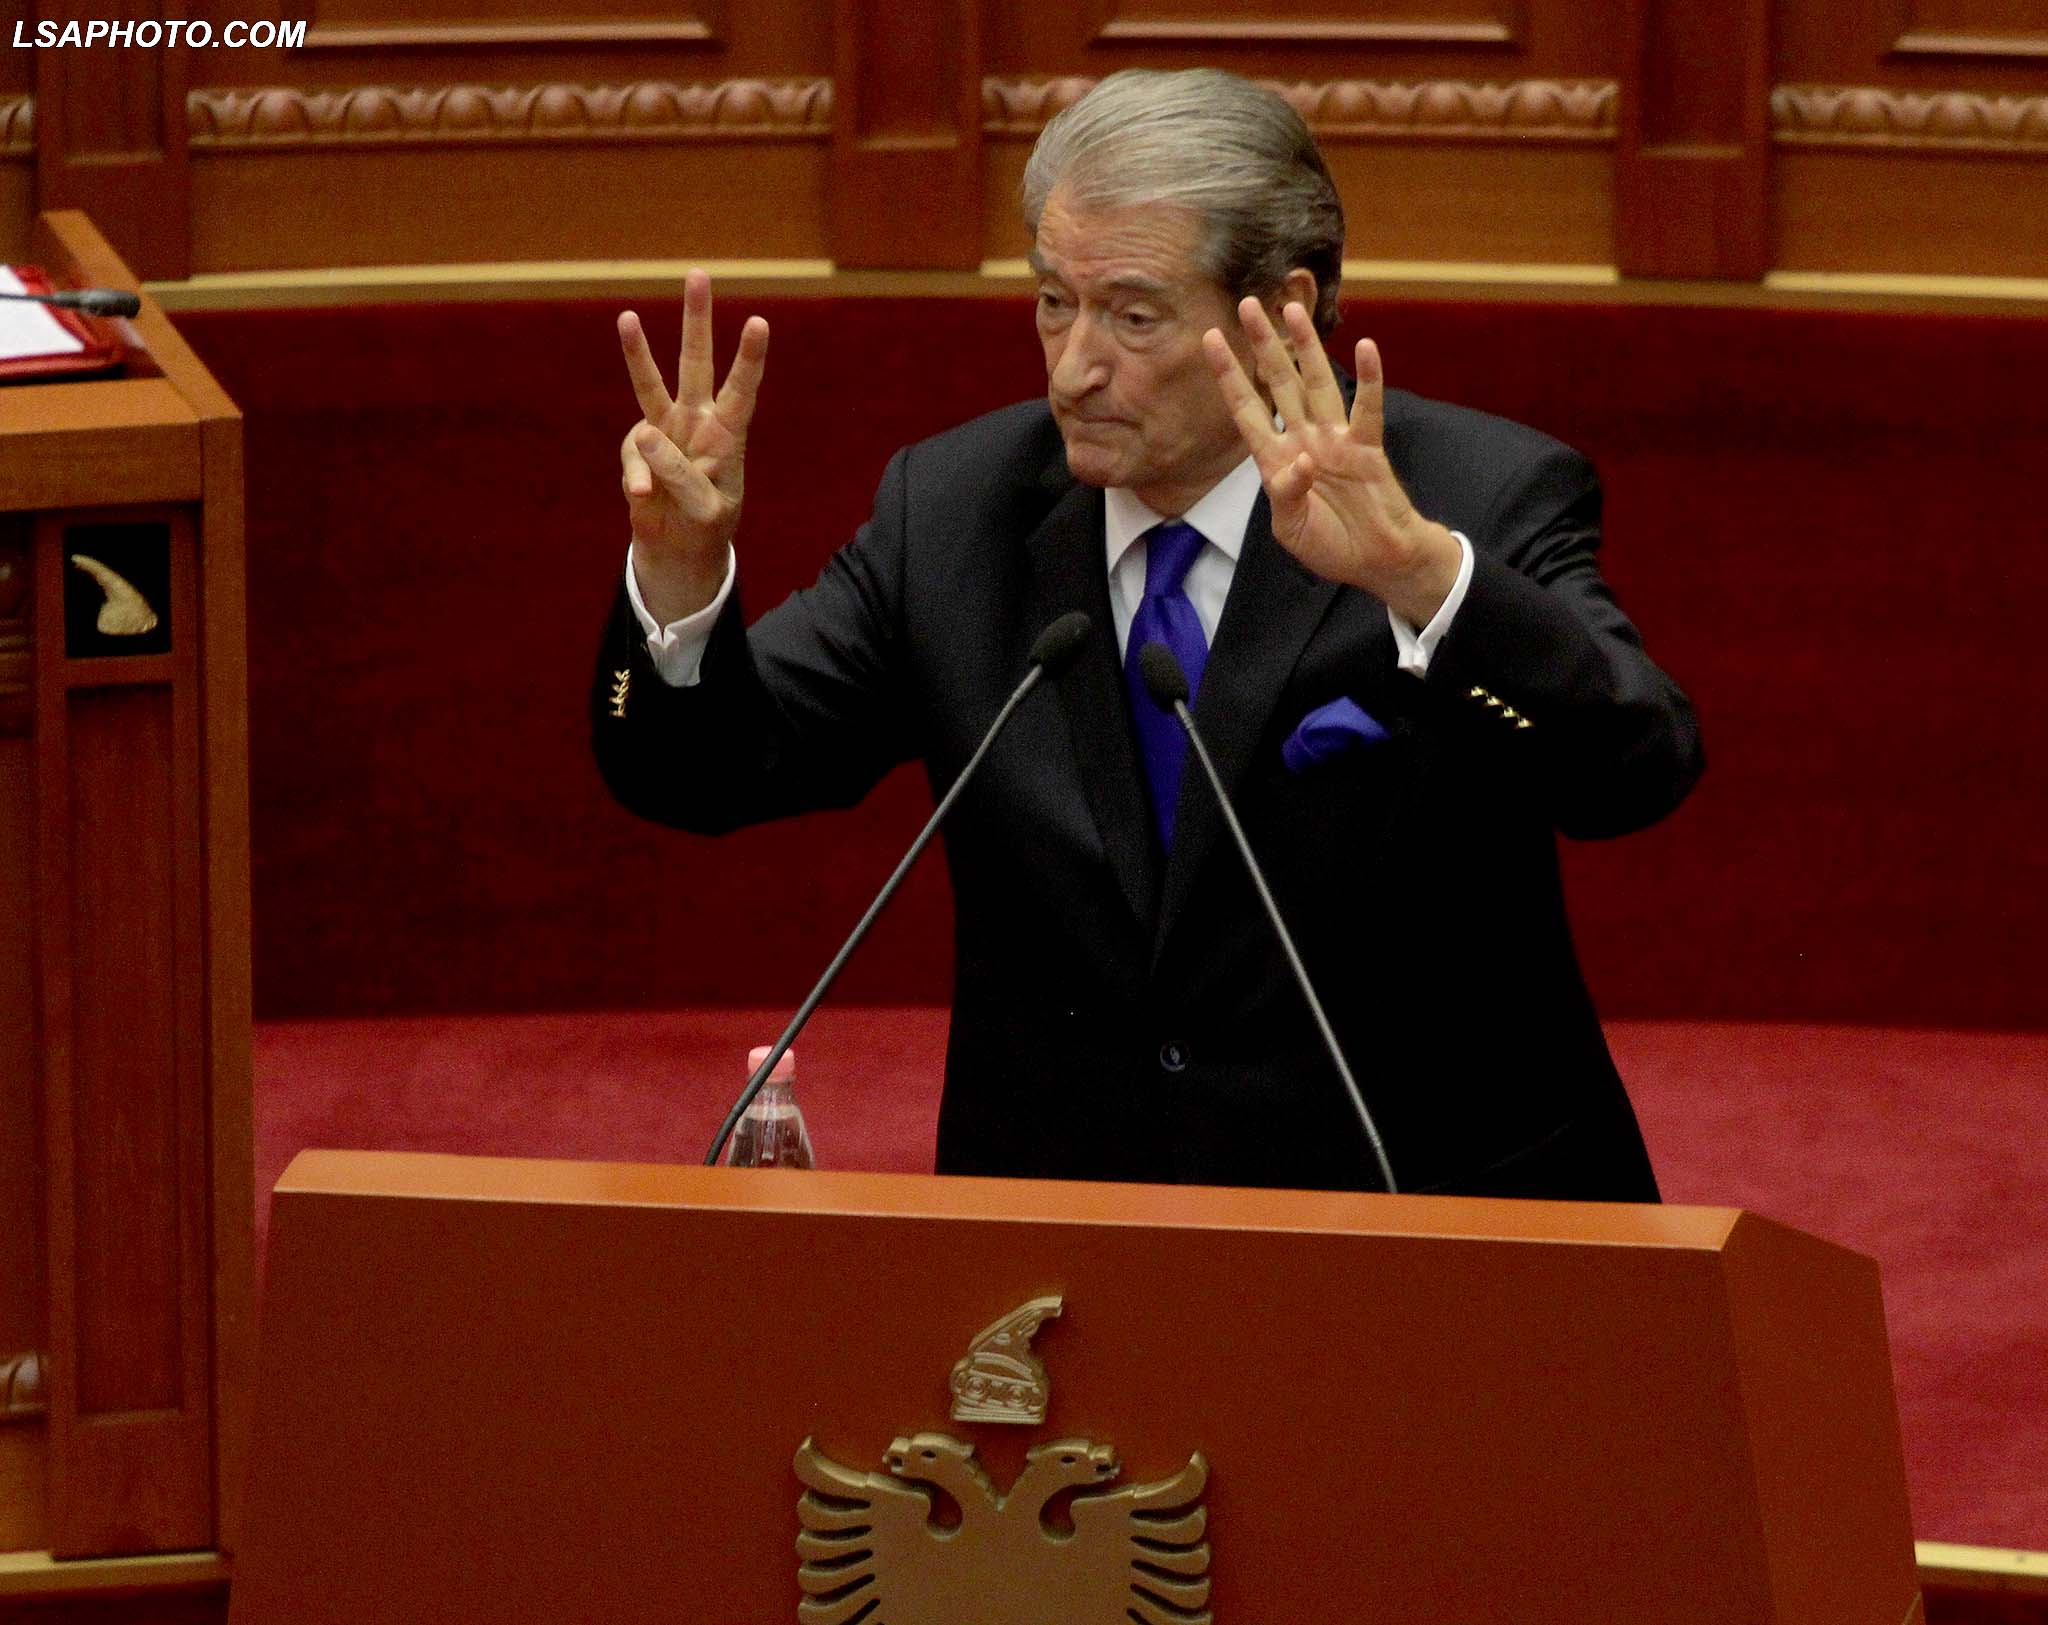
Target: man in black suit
{"x": 1409, "y": 670}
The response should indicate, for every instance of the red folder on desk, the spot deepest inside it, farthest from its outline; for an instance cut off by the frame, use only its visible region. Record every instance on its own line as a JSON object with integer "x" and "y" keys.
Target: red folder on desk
{"x": 99, "y": 351}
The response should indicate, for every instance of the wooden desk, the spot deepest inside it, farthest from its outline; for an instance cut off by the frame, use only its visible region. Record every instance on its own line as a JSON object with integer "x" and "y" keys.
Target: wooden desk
{"x": 126, "y": 1207}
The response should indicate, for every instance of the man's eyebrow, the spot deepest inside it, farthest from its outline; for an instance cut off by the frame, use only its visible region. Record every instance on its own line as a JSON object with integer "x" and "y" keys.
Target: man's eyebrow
{"x": 1129, "y": 282}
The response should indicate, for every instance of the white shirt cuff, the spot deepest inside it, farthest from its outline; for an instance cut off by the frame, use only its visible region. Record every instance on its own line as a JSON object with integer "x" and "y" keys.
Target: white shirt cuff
{"x": 677, "y": 649}
{"x": 1414, "y": 648}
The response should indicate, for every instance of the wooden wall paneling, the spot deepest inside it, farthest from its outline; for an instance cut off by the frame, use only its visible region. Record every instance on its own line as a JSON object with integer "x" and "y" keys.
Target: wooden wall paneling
{"x": 1989, "y": 47}
{"x": 1910, "y": 136}
{"x": 129, "y": 1217}
{"x": 110, "y": 136}
{"x": 1311, "y": 42}
{"x": 17, "y": 157}
{"x": 1692, "y": 167}
{"x": 1965, "y": 28}
{"x": 1912, "y": 213}
{"x": 1364, "y": 22}
{"x": 24, "y": 1324}
{"x": 1451, "y": 170}
{"x": 360, "y": 24}
{"x": 906, "y": 134}
{"x": 739, "y": 200}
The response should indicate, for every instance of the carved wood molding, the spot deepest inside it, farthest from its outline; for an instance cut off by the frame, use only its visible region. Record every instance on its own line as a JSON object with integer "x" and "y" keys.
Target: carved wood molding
{"x": 466, "y": 115}
{"x": 1877, "y": 119}
{"x": 1578, "y": 110}
{"x": 17, "y": 125}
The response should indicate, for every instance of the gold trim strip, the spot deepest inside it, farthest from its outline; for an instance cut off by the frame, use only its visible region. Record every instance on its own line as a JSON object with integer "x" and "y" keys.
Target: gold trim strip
{"x": 1982, "y": 1568}
{"x": 1002, "y": 278}
{"x": 38, "y": 1574}
{"x": 454, "y": 284}
{"x": 2013, "y": 289}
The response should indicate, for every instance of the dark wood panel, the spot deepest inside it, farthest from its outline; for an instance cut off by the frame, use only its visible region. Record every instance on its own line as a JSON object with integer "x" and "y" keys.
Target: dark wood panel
{"x": 1298, "y": 40}
{"x": 1924, "y": 213}
{"x": 1458, "y": 23}
{"x": 111, "y": 140}
{"x": 124, "y": 1099}
{"x": 1857, "y": 42}
{"x": 1969, "y": 28}
{"x": 1692, "y": 168}
{"x": 906, "y": 136}
{"x": 1534, "y": 204}
{"x": 354, "y": 24}
{"x": 122, "y": 1011}
{"x": 763, "y": 200}
{"x": 24, "y": 1326}
{"x": 701, "y": 39}
{"x": 17, "y": 208}
{"x": 23, "y": 1487}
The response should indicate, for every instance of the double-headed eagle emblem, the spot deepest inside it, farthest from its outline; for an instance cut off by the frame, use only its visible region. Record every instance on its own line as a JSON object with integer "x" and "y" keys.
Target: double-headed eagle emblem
{"x": 875, "y": 1550}
{"x": 932, "y": 1542}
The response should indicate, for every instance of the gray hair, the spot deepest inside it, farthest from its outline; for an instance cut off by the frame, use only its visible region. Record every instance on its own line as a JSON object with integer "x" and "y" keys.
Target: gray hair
{"x": 1234, "y": 152}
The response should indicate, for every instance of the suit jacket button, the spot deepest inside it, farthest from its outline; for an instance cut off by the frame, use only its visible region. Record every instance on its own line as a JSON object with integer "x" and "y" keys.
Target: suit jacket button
{"x": 1173, "y": 1055}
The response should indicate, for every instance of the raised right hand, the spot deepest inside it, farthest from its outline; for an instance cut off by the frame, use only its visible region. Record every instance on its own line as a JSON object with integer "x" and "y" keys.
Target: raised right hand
{"x": 682, "y": 465}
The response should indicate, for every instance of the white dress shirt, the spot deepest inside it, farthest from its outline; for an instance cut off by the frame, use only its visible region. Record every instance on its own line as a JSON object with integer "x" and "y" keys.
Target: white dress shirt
{"x": 1222, "y": 516}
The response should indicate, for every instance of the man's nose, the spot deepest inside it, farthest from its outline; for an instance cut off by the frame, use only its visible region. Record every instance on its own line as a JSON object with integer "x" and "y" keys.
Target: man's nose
{"x": 1082, "y": 364}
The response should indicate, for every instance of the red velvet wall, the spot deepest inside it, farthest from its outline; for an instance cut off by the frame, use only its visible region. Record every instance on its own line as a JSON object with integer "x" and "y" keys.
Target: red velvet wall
{"x": 1828, "y": 525}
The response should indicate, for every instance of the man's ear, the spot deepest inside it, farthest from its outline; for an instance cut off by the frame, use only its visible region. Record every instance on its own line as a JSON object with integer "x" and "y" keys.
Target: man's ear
{"x": 1298, "y": 287}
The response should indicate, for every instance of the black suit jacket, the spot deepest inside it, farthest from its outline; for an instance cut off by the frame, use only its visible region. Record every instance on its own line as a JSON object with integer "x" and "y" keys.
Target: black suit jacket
{"x": 1124, "y": 1013}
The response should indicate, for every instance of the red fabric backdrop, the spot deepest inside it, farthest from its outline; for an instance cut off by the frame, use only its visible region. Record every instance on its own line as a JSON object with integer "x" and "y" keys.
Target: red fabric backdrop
{"x": 1827, "y": 523}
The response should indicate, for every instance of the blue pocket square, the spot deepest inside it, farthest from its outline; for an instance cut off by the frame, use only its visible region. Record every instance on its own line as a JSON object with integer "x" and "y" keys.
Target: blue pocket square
{"x": 1327, "y": 732}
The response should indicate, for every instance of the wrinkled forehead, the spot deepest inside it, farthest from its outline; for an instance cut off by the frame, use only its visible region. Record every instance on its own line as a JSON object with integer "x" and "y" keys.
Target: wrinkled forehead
{"x": 1141, "y": 247}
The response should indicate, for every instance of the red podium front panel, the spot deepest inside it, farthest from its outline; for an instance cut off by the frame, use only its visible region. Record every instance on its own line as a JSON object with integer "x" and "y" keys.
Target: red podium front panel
{"x": 498, "y": 1391}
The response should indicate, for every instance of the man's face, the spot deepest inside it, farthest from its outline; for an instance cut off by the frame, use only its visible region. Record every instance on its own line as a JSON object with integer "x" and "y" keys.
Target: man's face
{"x": 1121, "y": 313}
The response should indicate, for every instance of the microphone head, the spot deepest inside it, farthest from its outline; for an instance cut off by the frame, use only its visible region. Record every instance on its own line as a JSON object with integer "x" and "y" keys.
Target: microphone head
{"x": 1164, "y": 680}
{"x": 1058, "y": 643}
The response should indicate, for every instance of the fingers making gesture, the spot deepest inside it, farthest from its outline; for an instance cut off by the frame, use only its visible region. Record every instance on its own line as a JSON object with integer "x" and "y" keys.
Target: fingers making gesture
{"x": 1337, "y": 505}
{"x": 682, "y": 465}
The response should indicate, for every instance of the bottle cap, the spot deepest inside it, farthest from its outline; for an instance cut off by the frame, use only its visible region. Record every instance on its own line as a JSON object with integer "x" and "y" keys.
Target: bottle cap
{"x": 785, "y": 1069}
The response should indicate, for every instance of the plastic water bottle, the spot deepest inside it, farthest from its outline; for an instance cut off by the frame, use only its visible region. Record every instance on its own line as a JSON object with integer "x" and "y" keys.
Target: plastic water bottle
{"x": 772, "y": 1133}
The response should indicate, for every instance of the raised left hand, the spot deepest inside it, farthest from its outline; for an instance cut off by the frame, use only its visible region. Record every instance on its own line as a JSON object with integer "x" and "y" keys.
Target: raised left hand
{"x": 1337, "y": 505}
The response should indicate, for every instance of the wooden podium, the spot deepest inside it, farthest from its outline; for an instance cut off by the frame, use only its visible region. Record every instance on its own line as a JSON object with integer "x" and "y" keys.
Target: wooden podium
{"x": 499, "y": 1391}
{"x": 126, "y": 1210}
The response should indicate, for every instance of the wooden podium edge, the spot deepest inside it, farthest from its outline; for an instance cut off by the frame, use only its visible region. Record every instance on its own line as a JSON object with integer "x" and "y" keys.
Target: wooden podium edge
{"x": 1977, "y": 1569}
{"x": 72, "y": 244}
{"x": 435, "y": 1176}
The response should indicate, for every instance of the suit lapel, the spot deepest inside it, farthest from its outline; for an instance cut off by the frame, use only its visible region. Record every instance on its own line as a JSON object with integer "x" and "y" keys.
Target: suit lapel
{"x": 1069, "y": 573}
{"x": 1273, "y": 607}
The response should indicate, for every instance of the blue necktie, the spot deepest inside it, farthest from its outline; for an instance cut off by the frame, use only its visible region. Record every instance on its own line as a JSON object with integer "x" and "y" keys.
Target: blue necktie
{"x": 1165, "y": 616}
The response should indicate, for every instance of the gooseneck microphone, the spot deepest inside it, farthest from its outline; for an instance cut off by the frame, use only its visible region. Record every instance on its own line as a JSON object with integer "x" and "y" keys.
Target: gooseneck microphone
{"x": 1168, "y": 686}
{"x": 93, "y": 301}
{"x": 1056, "y": 645}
